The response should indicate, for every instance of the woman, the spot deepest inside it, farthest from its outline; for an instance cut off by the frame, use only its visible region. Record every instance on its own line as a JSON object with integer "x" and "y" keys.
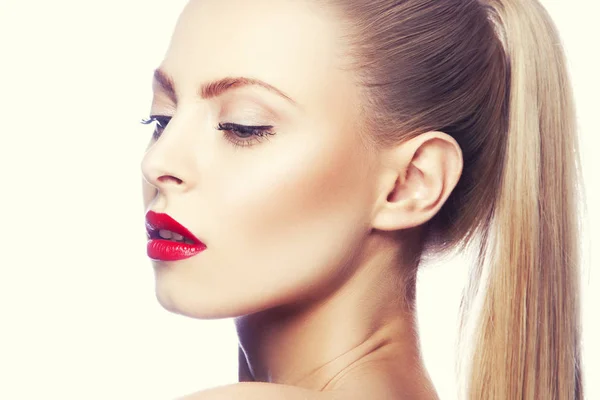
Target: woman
{"x": 308, "y": 154}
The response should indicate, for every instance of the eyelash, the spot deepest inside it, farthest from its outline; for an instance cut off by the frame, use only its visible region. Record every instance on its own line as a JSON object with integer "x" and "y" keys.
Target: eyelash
{"x": 257, "y": 133}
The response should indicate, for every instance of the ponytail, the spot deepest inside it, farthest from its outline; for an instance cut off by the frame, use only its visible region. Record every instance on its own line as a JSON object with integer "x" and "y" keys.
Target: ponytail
{"x": 526, "y": 340}
{"x": 492, "y": 74}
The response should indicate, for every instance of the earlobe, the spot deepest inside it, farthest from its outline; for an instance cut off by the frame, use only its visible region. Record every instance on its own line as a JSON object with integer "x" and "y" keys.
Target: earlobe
{"x": 417, "y": 178}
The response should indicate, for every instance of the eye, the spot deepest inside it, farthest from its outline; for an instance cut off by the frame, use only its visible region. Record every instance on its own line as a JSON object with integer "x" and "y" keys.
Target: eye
{"x": 245, "y": 135}
{"x": 161, "y": 122}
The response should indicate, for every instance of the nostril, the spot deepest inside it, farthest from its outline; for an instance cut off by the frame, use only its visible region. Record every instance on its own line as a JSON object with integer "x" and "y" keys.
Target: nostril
{"x": 167, "y": 178}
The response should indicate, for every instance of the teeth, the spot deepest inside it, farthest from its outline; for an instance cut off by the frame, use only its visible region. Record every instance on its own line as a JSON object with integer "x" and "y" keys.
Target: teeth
{"x": 176, "y": 237}
{"x": 165, "y": 234}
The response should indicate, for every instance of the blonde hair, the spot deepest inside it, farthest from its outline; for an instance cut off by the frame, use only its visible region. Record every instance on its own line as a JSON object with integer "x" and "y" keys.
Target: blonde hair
{"x": 492, "y": 74}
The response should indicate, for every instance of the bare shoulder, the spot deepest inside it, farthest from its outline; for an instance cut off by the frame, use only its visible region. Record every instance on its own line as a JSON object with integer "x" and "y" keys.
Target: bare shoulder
{"x": 260, "y": 391}
{"x": 368, "y": 381}
{"x": 380, "y": 379}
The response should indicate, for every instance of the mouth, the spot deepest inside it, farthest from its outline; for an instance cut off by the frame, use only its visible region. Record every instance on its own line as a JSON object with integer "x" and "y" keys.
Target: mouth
{"x": 162, "y": 226}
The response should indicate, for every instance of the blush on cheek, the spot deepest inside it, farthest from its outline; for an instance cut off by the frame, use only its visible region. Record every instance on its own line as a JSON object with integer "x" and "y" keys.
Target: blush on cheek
{"x": 293, "y": 214}
{"x": 294, "y": 183}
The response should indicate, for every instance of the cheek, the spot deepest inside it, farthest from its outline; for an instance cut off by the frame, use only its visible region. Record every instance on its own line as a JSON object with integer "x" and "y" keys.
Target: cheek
{"x": 291, "y": 218}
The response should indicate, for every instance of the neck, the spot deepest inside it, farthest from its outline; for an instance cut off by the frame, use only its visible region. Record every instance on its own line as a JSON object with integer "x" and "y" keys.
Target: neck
{"x": 313, "y": 345}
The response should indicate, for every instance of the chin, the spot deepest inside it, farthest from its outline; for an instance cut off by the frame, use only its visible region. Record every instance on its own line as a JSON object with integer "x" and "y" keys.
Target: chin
{"x": 194, "y": 305}
{"x": 204, "y": 301}
{"x": 194, "y": 308}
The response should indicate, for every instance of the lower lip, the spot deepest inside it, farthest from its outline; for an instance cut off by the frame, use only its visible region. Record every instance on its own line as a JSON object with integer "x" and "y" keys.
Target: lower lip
{"x": 168, "y": 250}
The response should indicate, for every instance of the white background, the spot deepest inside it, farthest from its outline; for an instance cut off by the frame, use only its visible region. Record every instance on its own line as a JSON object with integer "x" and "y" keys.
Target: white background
{"x": 78, "y": 316}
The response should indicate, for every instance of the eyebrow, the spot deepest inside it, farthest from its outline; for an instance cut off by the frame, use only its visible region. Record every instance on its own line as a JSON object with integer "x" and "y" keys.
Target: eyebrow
{"x": 218, "y": 87}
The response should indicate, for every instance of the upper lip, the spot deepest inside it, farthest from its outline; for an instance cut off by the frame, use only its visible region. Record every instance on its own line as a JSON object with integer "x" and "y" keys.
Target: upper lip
{"x": 156, "y": 221}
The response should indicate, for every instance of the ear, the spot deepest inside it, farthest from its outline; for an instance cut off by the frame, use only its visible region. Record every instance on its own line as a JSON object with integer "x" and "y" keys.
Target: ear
{"x": 416, "y": 178}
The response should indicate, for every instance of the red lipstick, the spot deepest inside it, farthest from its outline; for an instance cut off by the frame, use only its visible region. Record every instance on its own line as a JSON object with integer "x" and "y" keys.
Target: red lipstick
{"x": 168, "y": 240}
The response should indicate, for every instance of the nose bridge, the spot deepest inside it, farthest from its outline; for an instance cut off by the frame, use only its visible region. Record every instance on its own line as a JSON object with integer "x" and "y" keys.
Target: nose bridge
{"x": 169, "y": 161}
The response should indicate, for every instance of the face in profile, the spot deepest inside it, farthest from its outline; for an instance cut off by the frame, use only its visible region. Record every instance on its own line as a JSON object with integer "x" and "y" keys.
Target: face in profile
{"x": 257, "y": 153}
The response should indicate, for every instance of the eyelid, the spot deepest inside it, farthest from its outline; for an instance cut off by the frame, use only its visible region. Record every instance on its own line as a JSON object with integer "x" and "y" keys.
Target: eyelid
{"x": 249, "y": 107}
{"x": 226, "y": 125}
{"x": 256, "y": 133}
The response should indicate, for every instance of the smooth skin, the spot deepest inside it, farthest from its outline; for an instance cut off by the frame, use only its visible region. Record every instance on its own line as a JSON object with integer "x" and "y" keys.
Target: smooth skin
{"x": 308, "y": 230}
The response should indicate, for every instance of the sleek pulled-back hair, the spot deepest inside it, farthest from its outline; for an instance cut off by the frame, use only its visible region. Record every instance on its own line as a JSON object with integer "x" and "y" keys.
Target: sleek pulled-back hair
{"x": 492, "y": 74}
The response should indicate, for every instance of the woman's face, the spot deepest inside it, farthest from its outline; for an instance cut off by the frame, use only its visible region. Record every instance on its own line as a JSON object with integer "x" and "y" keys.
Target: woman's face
{"x": 283, "y": 215}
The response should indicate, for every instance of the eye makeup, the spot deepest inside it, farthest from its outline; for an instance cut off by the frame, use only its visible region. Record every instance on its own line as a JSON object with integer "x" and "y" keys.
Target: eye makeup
{"x": 253, "y": 103}
{"x": 237, "y": 134}
{"x": 244, "y": 135}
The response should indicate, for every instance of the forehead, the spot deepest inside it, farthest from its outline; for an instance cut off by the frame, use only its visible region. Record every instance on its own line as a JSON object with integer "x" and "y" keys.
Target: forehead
{"x": 291, "y": 44}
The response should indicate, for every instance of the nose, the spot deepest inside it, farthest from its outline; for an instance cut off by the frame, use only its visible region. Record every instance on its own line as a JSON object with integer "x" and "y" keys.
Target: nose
{"x": 167, "y": 163}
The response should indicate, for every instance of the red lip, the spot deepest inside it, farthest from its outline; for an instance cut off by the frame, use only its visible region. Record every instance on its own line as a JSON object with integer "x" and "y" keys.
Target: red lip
{"x": 169, "y": 250}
